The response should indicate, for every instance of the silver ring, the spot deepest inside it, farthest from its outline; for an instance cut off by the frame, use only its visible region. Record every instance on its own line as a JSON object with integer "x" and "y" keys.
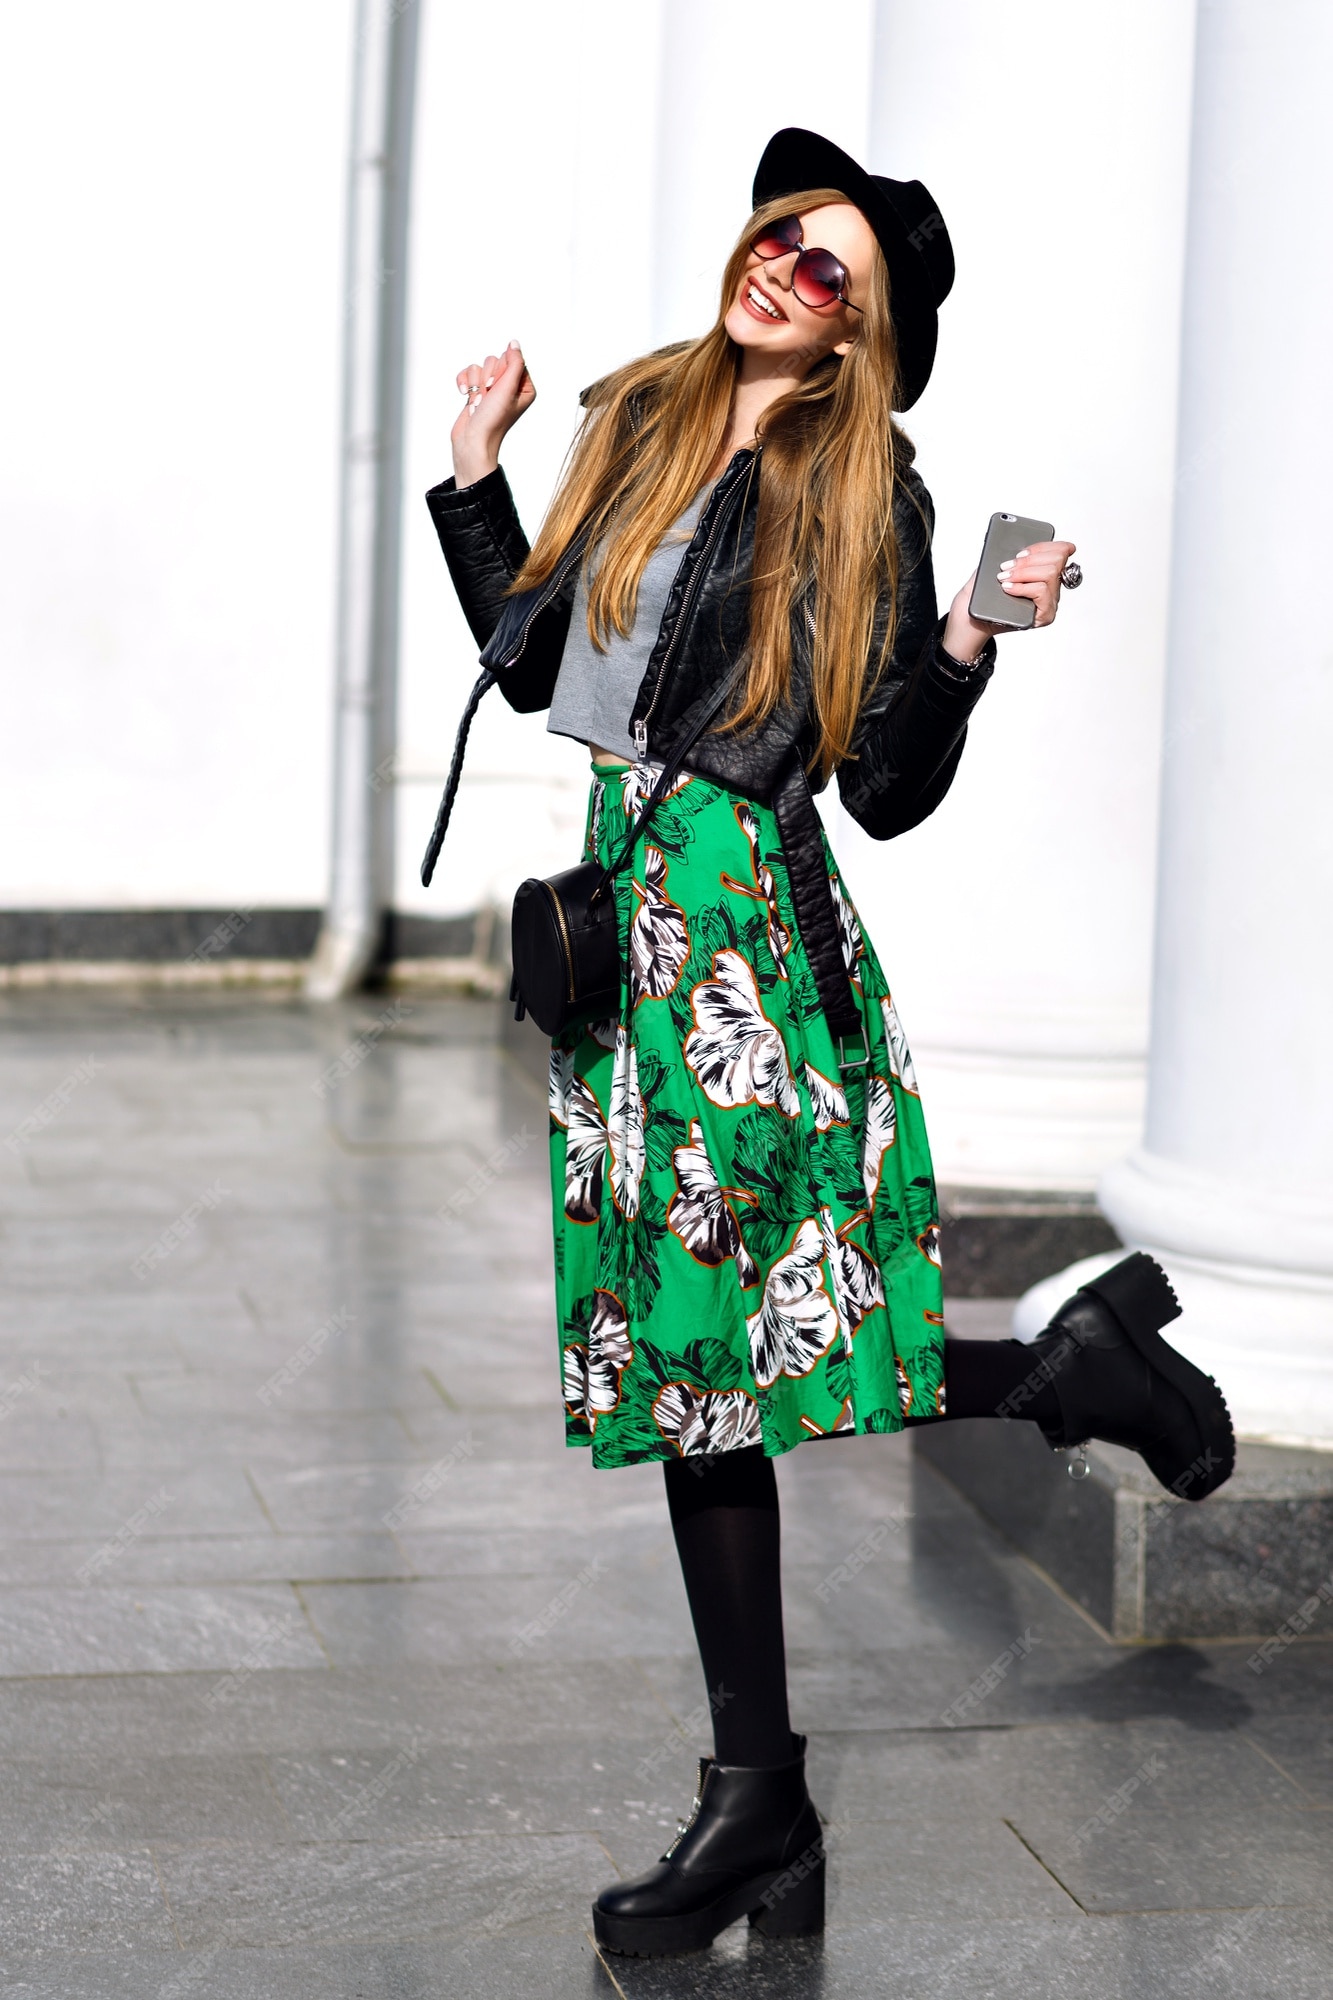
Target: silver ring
{"x": 1071, "y": 576}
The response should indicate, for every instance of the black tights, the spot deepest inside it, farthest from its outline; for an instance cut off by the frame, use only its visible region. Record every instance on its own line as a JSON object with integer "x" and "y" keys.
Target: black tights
{"x": 724, "y": 1513}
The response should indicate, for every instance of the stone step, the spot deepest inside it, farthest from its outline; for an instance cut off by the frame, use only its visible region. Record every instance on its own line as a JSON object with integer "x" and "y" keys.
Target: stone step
{"x": 1251, "y": 1561}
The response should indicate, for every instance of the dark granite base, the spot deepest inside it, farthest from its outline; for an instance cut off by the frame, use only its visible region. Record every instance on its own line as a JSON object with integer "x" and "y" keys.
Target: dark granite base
{"x": 1143, "y": 1564}
{"x": 997, "y": 1243}
{"x": 164, "y": 937}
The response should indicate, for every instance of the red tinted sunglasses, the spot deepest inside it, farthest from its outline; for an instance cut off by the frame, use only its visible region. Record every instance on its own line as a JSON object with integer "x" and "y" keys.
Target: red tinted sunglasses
{"x": 817, "y": 278}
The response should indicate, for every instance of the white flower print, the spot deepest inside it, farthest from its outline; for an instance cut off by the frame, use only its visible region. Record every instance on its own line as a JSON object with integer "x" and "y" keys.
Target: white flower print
{"x": 900, "y": 1056}
{"x": 585, "y": 1153}
{"x": 849, "y": 929}
{"x": 842, "y": 1422}
{"x": 560, "y": 1077}
{"x": 624, "y": 1126}
{"x": 827, "y": 1100}
{"x": 881, "y": 1131}
{"x": 659, "y": 942}
{"x": 604, "y": 1032}
{"x": 928, "y": 1243}
{"x": 592, "y": 1373}
{"x": 779, "y": 936}
{"x": 700, "y": 1213}
{"x": 708, "y": 1420}
{"x": 636, "y": 784}
{"x": 735, "y": 1051}
{"x": 854, "y": 1277}
{"x": 904, "y": 1386}
{"x": 797, "y": 1321}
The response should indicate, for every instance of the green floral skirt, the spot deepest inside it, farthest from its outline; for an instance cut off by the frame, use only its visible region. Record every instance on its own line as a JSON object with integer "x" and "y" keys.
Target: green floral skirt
{"x": 746, "y": 1235}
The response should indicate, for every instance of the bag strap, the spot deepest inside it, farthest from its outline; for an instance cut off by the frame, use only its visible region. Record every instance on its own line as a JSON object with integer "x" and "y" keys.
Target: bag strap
{"x": 669, "y": 773}
{"x": 484, "y": 680}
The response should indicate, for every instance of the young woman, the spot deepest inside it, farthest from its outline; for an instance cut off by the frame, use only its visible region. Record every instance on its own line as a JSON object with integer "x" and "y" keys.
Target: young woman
{"x": 746, "y": 1237}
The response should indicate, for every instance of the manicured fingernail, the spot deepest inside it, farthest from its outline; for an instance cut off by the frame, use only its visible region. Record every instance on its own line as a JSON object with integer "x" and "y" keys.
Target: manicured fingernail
{"x": 1022, "y": 552}
{"x": 1008, "y": 563}
{"x": 1007, "y": 586}
{"x": 487, "y": 383}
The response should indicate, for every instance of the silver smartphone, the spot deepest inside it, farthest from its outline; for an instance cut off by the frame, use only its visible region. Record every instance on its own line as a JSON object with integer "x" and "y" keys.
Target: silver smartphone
{"x": 990, "y": 603}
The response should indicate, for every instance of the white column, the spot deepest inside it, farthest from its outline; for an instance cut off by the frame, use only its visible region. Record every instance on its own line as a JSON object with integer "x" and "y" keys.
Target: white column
{"x": 1233, "y": 1185}
{"x": 1015, "y": 925}
{"x": 384, "y": 63}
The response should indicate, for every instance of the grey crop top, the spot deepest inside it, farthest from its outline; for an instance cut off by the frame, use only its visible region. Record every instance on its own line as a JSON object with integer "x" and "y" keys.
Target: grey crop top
{"x": 595, "y": 692}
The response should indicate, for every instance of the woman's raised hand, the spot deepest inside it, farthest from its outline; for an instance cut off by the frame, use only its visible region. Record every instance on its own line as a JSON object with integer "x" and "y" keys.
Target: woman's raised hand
{"x": 498, "y": 390}
{"x": 1034, "y": 572}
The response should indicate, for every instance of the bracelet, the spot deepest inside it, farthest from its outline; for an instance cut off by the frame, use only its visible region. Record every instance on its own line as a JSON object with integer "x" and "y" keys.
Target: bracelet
{"x": 961, "y": 670}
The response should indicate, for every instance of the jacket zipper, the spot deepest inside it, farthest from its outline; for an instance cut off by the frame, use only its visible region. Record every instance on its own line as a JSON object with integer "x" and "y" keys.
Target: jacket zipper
{"x": 692, "y": 590}
{"x": 554, "y": 585}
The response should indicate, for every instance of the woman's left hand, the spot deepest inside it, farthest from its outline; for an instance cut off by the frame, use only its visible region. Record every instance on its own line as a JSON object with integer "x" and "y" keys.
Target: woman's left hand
{"x": 1034, "y": 572}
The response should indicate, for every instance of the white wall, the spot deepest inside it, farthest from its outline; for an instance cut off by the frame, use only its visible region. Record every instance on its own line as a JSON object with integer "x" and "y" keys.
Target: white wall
{"x": 171, "y": 239}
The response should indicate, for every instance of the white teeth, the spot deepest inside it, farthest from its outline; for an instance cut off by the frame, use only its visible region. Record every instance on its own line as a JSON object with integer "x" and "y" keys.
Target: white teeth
{"x": 757, "y": 298}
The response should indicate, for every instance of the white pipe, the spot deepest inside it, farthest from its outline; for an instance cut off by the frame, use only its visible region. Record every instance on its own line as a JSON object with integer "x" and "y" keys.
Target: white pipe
{"x": 384, "y": 67}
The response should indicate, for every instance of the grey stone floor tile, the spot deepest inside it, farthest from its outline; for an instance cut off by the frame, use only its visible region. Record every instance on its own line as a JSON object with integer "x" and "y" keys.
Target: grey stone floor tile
{"x": 638, "y": 1537}
{"x": 1057, "y": 1682}
{"x": 105, "y": 1630}
{"x": 627, "y": 1791}
{"x": 911, "y": 1774}
{"x": 41, "y": 1438}
{"x": 563, "y": 1967}
{"x": 376, "y": 1389}
{"x": 342, "y": 1888}
{"x": 74, "y": 1901}
{"x": 265, "y": 1439}
{"x": 1234, "y": 1956}
{"x": 299, "y": 1711}
{"x": 615, "y": 1614}
{"x": 200, "y": 1499}
{"x": 940, "y": 1866}
{"x": 90, "y": 1803}
{"x": 1249, "y": 1956}
{"x": 473, "y": 1492}
{"x": 1302, "y": 1748}
{"x": 1199, "y": 1858}
{"x": 217, "y": 1559}
{"x": 1298, "y": 1683}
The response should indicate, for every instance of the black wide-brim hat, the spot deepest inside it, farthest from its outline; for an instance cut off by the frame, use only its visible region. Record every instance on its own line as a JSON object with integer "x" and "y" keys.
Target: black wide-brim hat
{"x": 907, "y": 224}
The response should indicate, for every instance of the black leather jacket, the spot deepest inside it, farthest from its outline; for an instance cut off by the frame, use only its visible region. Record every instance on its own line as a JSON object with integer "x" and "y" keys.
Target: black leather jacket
{"x": 912, "y": 725}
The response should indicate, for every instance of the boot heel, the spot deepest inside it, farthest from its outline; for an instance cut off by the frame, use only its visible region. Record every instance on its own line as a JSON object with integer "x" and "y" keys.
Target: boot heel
{"x": 1138, "y": 1292}
{"x": 793, "y": 1903}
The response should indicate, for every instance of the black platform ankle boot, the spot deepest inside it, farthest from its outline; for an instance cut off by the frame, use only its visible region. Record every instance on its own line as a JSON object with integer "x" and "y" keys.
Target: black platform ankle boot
{"x": 752, "y": 1847}
{"x": 1115, "y": 1378}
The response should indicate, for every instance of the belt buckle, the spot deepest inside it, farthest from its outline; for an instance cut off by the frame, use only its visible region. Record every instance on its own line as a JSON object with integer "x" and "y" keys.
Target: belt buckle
{"x": 853, "y": 1062}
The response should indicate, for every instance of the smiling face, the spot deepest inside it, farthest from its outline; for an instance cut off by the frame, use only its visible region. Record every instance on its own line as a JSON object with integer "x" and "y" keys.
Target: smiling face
{"x": 767, "y": 318}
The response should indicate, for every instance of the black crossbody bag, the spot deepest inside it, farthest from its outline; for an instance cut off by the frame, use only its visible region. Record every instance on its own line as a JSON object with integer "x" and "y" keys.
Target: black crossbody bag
{"x": 565, "y": 938}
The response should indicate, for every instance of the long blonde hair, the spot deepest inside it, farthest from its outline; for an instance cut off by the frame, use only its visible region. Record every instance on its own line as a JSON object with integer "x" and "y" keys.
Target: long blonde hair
{"x": 831, "y": 459}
